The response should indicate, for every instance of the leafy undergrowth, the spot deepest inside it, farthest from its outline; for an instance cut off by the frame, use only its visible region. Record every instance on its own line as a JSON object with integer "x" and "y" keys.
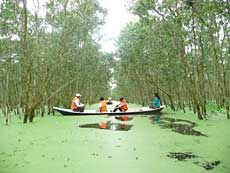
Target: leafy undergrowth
{"x": 58, "y": 144}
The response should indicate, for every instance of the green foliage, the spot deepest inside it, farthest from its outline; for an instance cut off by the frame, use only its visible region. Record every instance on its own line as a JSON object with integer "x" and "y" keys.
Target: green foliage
{"x": 63, "y": 55}
{"x": 178, "y": 49}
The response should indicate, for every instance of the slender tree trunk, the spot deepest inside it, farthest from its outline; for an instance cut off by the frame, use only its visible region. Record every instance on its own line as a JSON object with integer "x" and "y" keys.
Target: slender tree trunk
{"x": 26, "y": 64}
{"x": 227, "y": 110}
{"x": 42, "y": 109}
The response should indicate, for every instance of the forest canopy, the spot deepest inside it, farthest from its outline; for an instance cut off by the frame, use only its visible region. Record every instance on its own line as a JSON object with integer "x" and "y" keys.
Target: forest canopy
{"x": 44, "y": 61}
{"x": 179, "y": 49}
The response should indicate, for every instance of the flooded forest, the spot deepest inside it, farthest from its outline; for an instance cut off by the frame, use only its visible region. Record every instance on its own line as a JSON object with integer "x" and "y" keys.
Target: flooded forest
{"x": 52, "y": 49}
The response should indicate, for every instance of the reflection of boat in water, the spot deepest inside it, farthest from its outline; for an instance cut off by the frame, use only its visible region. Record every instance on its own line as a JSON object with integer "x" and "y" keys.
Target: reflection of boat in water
{"x": 143, "y": 111}
{"x": 109, "y": 126}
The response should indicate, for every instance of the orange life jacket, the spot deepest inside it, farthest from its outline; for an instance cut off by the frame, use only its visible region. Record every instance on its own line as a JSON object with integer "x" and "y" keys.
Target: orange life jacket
{"x": 125, "y": 105}
{"x": 103, "y": 107}
{"x": 73, "y": 105}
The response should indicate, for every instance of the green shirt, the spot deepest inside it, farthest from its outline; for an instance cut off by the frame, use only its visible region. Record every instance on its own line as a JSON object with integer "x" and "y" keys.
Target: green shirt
{"x": 156, "y": 102}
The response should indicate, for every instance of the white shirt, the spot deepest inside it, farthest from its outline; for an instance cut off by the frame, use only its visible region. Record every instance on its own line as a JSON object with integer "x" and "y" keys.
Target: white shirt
{"x": 77, "y": 103}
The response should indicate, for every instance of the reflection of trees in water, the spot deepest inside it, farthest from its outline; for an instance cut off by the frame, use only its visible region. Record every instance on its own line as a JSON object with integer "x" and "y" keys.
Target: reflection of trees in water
{"x": 181, "y": 126}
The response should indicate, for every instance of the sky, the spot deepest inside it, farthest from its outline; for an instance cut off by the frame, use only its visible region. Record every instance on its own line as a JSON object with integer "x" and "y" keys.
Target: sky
{"x": 117, "y": 17}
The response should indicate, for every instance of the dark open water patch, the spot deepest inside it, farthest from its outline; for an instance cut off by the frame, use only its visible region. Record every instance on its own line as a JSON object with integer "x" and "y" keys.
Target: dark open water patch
{"x": 208, "y": 165}
{"x": 181, "y": 126}
{"x": 181, "y": 156}
{"x": 109, "y": 126}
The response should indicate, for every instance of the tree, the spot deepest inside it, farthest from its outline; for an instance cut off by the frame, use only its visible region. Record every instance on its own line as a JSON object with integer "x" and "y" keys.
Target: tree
{"x": 172, "y": 49}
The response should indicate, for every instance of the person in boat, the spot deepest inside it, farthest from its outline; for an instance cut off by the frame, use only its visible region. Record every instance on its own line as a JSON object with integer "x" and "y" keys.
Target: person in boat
{"x": 156, "y": 101}
{"x": 102, "y": 107}
{"x": 76, "y": 104}
{"x": 122, "y": 106}
{"x": 109, "y": 101}
{"x": 156, "y": 104}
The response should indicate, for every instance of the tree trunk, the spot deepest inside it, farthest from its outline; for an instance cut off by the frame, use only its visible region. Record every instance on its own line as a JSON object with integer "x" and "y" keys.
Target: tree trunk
{"x": 42, "y": 111}
{"x": 26, "y": 63}
{"x": 227, "y": 110}
{"x": 198, "y": 112}
{"x": 25, "y": 116}
{"x": 32, "y": 114}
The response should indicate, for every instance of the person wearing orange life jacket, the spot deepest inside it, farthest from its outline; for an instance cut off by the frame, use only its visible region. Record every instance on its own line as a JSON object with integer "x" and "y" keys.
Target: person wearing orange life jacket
{"x": 102, "y": 105}
{"x": 123, "y": 106}
{"x": 76, "y": 105}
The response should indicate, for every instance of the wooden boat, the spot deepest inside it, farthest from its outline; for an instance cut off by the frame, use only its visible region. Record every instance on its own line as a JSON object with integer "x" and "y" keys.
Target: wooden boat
{"x": 142, "y": 111}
